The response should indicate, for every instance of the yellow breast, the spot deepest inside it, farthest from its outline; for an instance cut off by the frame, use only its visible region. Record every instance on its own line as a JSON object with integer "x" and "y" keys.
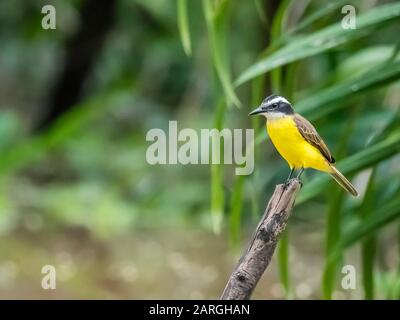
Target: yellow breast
{"x": 293, "y": 147}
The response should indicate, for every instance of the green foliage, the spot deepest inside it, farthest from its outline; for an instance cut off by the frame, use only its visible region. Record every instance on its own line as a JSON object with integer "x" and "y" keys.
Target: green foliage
{"x": 325, "y": 102}
{"x": 368, "y": 247}
{"x": 217, "y": 177}
{"x": 356, "y": 162}
{"x": 382, "y": 216}
{"x": 184, "y": 26}
{"x": 360, "y": 74}
{"x": 283, "y": 262}
{"x": 217, "y": 17}
{"x": 89, "y": 169}
{"x": 323, "y": 40}
{"x": 236, "y": 209}
{"x": 333, "y": 229}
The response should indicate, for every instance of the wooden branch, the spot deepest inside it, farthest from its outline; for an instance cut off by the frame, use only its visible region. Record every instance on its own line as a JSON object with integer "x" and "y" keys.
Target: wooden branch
{"x": 261, "y": 248}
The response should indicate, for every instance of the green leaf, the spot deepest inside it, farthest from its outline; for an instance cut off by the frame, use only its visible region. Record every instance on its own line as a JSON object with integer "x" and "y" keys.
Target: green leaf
{"x": 217, "y": 15}
{"x": 334, "y": 214}
{"x": 261, "y": 11}
{"x": 33, "y": 148}
{"x": 368, "y": 247}
{"x": 276, "y": 31}
{"x": 382, "y": 216}
{"x": 321, "y": 41}
{"x": 183, "y": 26}
{"x": 333, "y": 231}
{"x": 322, "y": 12}
{"x": 236, "y": 207}
{"x": 362, "y": 61}
{"x": 325, "y": 102}
{"x": 361, "y": 160}
{"x": 217, "y": 197}
{"x": 279, "y": 19}
{"x": 391, "y": 125}
{"x": 283, "y": 262}
{"x": 217, "y": 177}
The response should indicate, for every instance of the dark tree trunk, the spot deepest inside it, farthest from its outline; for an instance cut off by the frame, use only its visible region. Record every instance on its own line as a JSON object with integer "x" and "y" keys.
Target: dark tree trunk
{"x": 96, "y": 20}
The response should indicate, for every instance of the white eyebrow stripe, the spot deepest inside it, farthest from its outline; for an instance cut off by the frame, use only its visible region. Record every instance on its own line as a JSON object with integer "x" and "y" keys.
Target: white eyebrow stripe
{"x": 277, "y": 99}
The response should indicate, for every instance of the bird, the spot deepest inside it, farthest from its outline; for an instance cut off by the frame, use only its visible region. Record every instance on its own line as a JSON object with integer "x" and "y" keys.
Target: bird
{"x": 297, "y": 141}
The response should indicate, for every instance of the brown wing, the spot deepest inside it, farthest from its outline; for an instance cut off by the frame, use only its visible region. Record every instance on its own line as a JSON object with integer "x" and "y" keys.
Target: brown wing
{"x": 311, "y": 135}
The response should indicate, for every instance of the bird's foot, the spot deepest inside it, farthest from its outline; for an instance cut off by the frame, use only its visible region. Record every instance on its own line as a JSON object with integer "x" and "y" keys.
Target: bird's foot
{"x": 288, "y": 181}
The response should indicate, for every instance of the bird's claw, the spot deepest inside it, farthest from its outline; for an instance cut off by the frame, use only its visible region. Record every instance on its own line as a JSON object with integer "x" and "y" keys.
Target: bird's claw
{"x": 287, "y": 182}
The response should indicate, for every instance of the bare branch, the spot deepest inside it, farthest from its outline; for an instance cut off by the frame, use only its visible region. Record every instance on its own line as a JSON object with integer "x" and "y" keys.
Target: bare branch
{"x": 261, "y": 248}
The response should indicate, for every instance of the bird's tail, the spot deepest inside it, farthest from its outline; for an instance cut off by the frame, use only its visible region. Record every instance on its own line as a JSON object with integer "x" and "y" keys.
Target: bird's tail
{"x": 343, "y": 182}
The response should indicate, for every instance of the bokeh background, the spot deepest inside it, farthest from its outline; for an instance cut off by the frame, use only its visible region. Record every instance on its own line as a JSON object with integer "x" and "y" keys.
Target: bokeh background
{"x": 76, "y": 104}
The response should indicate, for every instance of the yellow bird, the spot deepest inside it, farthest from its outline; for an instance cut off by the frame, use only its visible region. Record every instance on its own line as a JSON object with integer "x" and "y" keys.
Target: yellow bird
{"x": 297, "y": 141}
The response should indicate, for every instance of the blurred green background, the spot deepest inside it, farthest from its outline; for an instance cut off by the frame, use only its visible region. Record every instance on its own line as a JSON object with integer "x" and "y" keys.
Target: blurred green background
{"x": 76, "y": 104}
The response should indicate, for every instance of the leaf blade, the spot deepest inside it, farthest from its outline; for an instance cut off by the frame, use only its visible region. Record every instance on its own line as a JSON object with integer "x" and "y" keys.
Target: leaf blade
{"x": 183, "y": 26}
{"x": 216, "y": 19}
{"x": 361, "y": 160}
{"x": 328, "y": 38}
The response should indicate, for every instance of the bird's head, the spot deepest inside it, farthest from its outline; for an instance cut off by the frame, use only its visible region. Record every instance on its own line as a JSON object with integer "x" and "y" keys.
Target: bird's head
{"x": 273, "y": 107}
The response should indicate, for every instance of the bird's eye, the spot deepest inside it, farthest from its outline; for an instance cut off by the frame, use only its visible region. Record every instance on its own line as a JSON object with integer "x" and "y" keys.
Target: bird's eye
{"x": 275, "y": 105}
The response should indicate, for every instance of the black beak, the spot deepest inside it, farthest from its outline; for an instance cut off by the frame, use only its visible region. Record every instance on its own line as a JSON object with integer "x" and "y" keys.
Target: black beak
{"x": 256, "y": 111}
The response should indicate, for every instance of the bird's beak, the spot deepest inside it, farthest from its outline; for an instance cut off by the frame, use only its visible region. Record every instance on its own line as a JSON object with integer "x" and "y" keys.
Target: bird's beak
{"x": 256, "y": 111}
